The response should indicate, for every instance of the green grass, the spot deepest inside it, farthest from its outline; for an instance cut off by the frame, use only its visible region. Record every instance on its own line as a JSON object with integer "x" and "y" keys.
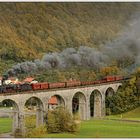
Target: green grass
{"x": 5, "y": 125}
{"x": 103, "y": 129}
{"x": 91, "y": 129}
{"x": 95, "y": 128}
{"x": 131, "y": 115}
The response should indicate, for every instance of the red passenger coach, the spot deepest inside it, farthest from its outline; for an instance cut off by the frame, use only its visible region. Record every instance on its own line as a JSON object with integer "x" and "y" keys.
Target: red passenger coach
{"x": 117, "y": 78}
{"x": 44, "y": 85}
{"x": 22, "y": 87}
{"x": 35, "y": 86}
{"x": 97, "y": 82}
{"x": 73, "y": 83}
{"x": 110, "y": 78}
{"x": 87, "y": 83}
{"x": 103, "y": 81}
{"x": 57, "y": 85}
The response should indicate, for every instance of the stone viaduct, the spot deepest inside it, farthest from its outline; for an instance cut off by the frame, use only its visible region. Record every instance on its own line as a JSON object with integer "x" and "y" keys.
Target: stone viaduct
{"x": 88, "y": 95}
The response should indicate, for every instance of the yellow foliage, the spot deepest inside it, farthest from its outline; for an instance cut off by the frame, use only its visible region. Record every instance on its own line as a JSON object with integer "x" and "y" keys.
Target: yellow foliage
{"x": 30, "y": 122}
{"x": 109, "y": 70}
{"x": 132, "y": 81}
{"x": 28, "y": 30}
{"x": 37, "y": 132}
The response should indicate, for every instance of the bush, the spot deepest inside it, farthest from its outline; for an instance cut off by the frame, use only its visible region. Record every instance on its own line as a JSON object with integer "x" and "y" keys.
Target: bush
{"x": 52, "y": 123}
{"x": 60, "y": 120}
{"x": 108, "y": 111}
{"x": 76, "y": 116}
{"x": 18, "y": 133}
{"x": 30, "y": 122}
{"x": 37, "y": 132}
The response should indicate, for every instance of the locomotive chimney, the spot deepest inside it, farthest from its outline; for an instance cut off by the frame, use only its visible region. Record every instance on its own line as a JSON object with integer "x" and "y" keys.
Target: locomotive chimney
{"x": 4, "y": 77}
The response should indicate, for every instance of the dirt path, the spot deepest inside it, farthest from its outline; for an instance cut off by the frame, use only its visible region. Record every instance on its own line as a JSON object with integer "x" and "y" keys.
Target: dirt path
{"x": 6, "y": 135}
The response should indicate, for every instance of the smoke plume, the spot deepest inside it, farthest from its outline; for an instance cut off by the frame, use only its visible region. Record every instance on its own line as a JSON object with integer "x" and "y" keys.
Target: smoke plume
{"x": 125, "y": 49}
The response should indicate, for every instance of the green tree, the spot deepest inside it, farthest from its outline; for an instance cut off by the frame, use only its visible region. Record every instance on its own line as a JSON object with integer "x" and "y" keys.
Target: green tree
{"x": 60, "y": 120}
{"x": 126, "y": 98}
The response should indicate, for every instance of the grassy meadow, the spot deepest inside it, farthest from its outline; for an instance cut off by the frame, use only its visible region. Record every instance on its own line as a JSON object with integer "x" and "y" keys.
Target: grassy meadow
{"x": 96, "y": 128}
{"x": 107, "y": 128}
{"x": 5, "y": 125}
{"x": 131, "y": 115}
{"x": 103, "y": 129}
{"x": 91, "y": 129}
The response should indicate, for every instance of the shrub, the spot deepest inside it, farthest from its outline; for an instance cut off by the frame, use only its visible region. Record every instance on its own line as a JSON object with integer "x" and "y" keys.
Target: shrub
{"x": 52, "y": 123}
{"x": 60, "y": 120}
{"x": 18, "y": 133}
{"x": 76, "y": 116}
{"x": 30, "y": 122}
{"x": 37, "y": 132}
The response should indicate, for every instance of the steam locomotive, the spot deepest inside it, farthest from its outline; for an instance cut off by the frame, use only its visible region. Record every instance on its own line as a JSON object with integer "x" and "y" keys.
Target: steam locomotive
{"x": 17, "y": 88}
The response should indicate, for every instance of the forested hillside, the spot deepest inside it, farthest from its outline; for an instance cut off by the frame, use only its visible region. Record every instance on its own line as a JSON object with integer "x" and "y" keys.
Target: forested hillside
{"x": 29, "y": 30}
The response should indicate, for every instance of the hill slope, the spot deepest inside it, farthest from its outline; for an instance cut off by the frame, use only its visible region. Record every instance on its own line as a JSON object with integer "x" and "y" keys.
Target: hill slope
{"x": 131, "y": 115}
{"x": 28, "y": 30}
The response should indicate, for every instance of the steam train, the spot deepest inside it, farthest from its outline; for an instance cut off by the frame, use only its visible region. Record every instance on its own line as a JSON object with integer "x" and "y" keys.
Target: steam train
{"x": 15, "y": 88}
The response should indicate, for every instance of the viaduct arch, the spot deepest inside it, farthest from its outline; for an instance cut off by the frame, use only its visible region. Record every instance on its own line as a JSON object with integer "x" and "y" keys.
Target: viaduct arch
{"x": 90, "y": 102}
